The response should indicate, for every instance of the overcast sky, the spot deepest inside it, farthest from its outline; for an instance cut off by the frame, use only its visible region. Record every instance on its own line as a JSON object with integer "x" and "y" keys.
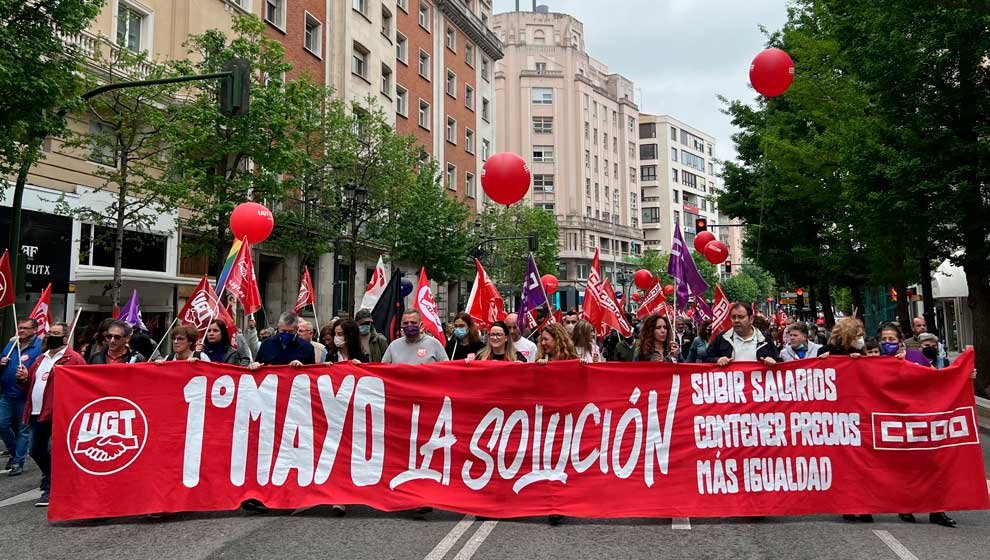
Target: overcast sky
{"x": 680, "y": 54}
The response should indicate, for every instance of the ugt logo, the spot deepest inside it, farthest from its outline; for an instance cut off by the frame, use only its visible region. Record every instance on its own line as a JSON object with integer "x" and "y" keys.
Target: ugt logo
{"x": 107, "y": 435}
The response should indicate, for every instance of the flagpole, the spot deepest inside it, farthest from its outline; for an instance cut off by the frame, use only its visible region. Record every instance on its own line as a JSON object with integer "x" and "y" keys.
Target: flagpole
{"x": 168, "y": 330}
{"x": 72, "y": 328}
{"x": 315, "y": 319}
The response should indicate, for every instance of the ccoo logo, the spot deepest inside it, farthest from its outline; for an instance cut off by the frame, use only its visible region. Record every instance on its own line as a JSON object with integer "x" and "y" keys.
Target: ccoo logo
{"x": 107, "y": 435}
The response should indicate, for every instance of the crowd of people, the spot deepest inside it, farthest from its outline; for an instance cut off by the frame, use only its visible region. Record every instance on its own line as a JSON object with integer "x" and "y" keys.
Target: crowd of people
{"x": 28, "y": 360}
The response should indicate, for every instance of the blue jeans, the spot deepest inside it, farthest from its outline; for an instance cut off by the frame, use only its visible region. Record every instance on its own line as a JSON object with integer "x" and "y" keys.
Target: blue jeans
{"x": 15, "y": 433}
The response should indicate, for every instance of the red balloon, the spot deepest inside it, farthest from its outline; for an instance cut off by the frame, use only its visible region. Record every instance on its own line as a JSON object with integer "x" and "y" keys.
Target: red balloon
{"x": 771, "y": 72}
{"x": 643, "y": 279}
{"x": 702, "y": 239}
{"x": 549, "y": 283}
{"x": 668, "y": 290}
{"x": 253, "y": 221}
{"x": 637, "y": 296}
{"x": 716, "y": 252}
{"x": 505, "y": 178}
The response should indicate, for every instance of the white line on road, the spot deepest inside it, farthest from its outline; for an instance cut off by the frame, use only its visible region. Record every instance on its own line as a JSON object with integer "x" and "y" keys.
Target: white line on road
{"x": 899, "y": 549}
{"x": 680, "y": 523}
{"x": 473, "y": 543}
{"x": 448, "y": 542}
{"x": 20, "y": 498}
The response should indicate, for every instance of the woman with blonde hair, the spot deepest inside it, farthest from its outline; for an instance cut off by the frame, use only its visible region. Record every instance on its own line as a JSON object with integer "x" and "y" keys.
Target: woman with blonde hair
{"x": 499, "y": 346}
{"x": 583, "y": 337}
{"x": 848, "y": 339}
{"x": 555, "y": 345}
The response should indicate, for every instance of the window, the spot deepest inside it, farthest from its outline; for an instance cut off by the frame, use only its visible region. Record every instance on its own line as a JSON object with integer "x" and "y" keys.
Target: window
{"x": 486, "y": 111}
{"x": 677, "y": 196}
{"x": 486, "y": 149}
{"x": 582, "y": 269}
{"x": 359, "y": 60}
{"x": 541, "y": 67}
{"x": 675, "y": 174}
{"x": 539, "y": 37}
{"x": 632, "y": 149}
{"x": 692, "y": 141}
{"x": 469, "y": 185}
{"x": 615, "y": 145}
{"x": 691, "y": 180}
{"x": 130, "y": 25}
{"x": 692, "y": 160}
{"x": 404, "y": 4}
{"x": 451, "y": 130}
{"x": 711, "y": 168}
{"x": 709, "y": 150}
{"x": 401, "y": 48}
{"x": 469, "y": 140}
{"x": 542, "y": 96}
{"x": 673, "y": 134}
{"x": 632, "y": 124}
{"x": 632, "y": 174}
{"x": 543, "y": 183}
{"x": 387, "y": 81}
{"x": 451, "y": 39}
{"x": 468, "y": 97}
{"x": 424, "y": 64}
{"x": 275, "y": 12}
{"x": 545, "y": 206}
{"x": 424, "y": 15}
{"x": 587, "y": 159}
{"x": 101, "y": 144}
{"x": 605, "y": 140}
{"x": 543, "y": 125}
{"x": 387, "y": 23}
{"x": 451, "y": 84}
{"x": 648, "y": 151}
{"x": 144, "y": 251}
{"x": 401, "y": 101}
{"x": 424, "y": 114}
{"x": 360, "y": 6}
{"x": 484, "y": 68}
{"x": 543, "y": 154}
{"x": 615, "y": 170}
{"x": 673, "y": 154}
{"x": 469, "y": 54}
{"x": 451, "y": 176}
{"x": 312, "y": 39}
{"x": 648, "y": 173}
{"x": 587, "y": 131}
{"x": 647, "y": 130}
{"x": 586, "y": 102}
{"x": 651, "y": 215}
{"x": 677, "y": 217}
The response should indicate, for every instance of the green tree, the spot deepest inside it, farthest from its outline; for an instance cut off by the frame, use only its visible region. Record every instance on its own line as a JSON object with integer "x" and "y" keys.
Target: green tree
{"x": 741, "y": 287}
{"x": 125, "y": 136}
{"x": 226, "y": 160}
{"x": 505, "y": 261}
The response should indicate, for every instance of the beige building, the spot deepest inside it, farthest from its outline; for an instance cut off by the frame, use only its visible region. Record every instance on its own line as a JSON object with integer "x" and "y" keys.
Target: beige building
{"x": 577, "y": 126}
{"x": 362, "y": 51}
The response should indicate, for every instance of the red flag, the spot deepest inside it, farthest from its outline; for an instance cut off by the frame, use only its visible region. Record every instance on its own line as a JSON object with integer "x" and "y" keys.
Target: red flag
{"x": 6, "y": 281}
{"x": 202, "y": 307}
{"x": 654, "y": 301}
{"x": 307, "y": 296}
{"x": 485, "y": 305}
{"x": 242, "y": 282}
{"x": 590, "y": 310}
{"x": 720, "y": 310}
{"x": 42, "y": 312}
{"x": 424, "y": 303}
{"x": 613, "y": 316}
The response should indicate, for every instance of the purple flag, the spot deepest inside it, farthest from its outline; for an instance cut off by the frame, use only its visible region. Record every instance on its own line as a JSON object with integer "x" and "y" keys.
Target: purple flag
{"x": 131, "y": 314}
{"x": 681, "y": 266}
{"x": 702, "y": 311}
{"x": 533, "y": 294}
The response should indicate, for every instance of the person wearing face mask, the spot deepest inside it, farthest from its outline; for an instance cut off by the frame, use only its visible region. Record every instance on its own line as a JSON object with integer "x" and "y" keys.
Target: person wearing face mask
{"x": 347, "y": 343}
{"x": 892, "y": 344}
{"x": 799, "y": 346}
{"x": 570, "y": 321}
{"x": 373, "y": 343}
{"x": 37, "y": 384}
{"x": 285, "y": 348}
{"x": 930, "y": 350}
{"x": 415, "y": 346}
{"x": 847, "y": 339}
{"x": 466, "y": 342}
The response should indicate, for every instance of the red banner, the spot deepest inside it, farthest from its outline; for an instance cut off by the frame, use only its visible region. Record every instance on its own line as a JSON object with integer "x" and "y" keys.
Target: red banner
{"x": 839, "y": 435}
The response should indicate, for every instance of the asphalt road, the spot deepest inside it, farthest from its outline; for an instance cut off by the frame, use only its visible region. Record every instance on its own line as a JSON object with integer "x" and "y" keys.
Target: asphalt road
{"x": 368, "y": 534}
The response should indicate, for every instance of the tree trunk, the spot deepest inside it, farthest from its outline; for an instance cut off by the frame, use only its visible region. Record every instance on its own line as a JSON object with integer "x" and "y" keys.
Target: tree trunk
{"x": 979, "y": 304}
{"x": 826, "y": 294}
{"x": 220, "y": 252}
{"x": 353, "y": 271}
{"x": 857, "y": 301}
{"x": 927, "y": 296}
{"x": 812, "y": 302}
{"x": 16, "y": 259}
{"x": 118, "y": 240}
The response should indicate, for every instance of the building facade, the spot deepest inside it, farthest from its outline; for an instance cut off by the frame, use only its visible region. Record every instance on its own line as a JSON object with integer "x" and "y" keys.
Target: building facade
{"x": 300, "y": 26}
{"x": 577, "y": 126}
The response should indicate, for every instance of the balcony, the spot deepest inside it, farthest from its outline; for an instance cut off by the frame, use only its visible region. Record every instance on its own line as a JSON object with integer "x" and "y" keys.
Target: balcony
{"x": 541, "y": 74}
{"x": 99, "y": 51}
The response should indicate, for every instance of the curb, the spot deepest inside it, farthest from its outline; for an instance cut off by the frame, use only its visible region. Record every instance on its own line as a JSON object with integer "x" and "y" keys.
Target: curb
{"x": 983, "y": 412}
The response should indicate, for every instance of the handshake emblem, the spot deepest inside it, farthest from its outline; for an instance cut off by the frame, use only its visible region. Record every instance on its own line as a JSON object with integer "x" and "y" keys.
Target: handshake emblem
{"x": 106, "y": 448}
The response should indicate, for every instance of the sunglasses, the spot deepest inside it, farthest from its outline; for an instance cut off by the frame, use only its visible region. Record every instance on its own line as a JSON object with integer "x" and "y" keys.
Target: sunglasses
{"x": 115, "y": 336}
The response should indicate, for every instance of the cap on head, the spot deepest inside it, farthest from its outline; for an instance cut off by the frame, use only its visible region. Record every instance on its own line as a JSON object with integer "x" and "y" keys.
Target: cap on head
{"x": 927, "y": 337}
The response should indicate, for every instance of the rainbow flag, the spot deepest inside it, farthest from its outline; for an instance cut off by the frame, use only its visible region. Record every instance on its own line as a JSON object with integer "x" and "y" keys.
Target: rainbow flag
{"x": 227, "y": 265}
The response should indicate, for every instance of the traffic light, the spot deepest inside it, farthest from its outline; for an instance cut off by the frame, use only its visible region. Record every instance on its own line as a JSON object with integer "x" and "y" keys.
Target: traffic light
{"x": 800, "y": 298}
{"x": 534, "y": 242}
{"x": 728, "y": 267}
{"x": 700, "y": 225}
{"x": 235, "y": 90}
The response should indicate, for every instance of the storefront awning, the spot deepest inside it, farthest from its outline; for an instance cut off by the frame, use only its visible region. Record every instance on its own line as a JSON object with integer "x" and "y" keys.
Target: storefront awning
{"x": 949, "y": 281}
{"x": 102, "y": 274}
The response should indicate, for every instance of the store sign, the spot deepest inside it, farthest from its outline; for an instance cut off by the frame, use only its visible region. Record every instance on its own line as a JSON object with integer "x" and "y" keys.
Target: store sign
{"x": 46, "y": 245}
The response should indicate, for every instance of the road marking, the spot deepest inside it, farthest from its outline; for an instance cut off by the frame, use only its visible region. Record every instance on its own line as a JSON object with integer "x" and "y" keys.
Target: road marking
{"x": 680, "y": 523}
{"x": 20, "y": 498}
{"x": 895, "y": 545}
{"x": 448, "y": 542}
{"x": 473, "y": 543}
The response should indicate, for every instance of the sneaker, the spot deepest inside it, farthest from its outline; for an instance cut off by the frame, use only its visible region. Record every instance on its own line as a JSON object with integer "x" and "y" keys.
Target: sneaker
{"x": 254, "y": 506}
{"x": 866, "y": 518}
{"x": 6, "y": 468}
{"x": 420, "y": 512}
{"x": 43, "y": 500}
{"x": 555, "y": 519}
{"x": 940, "y": 518}
{"x": 16, "y": 470}
{"x": 338, "y": 510}
{"x": 907, "y": 517}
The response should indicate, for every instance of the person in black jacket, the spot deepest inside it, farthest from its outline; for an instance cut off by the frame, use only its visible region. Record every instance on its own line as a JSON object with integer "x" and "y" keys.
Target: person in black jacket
{"x": 117, "y": 350}
{"x": 285, "y": 348}
{"x": 466, "y": 340}
{"x": 743, "y": 342}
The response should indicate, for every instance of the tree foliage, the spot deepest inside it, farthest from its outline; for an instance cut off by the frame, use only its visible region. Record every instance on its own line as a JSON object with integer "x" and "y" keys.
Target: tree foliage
{"x": 505, "y": 260}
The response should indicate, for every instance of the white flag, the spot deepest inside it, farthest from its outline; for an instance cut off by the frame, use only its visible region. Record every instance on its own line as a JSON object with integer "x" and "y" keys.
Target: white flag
{"x": 375, "y": 287}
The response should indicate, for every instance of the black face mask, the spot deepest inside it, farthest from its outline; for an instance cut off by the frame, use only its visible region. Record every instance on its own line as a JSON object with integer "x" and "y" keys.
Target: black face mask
{"x": 930, "y": 352}
{"x": 52, "y": 342}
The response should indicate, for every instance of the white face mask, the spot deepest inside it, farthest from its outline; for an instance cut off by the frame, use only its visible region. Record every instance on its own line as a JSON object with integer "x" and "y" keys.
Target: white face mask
{"x": 569, "y": 327}
{"x": 859, "y": 343}
{"x": 339, "y": 341}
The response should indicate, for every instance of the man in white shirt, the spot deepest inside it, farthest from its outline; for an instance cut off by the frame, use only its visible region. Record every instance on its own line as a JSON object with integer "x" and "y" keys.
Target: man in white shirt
{"x": 743, "y": 342}
{"x": 523, "y": 345}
